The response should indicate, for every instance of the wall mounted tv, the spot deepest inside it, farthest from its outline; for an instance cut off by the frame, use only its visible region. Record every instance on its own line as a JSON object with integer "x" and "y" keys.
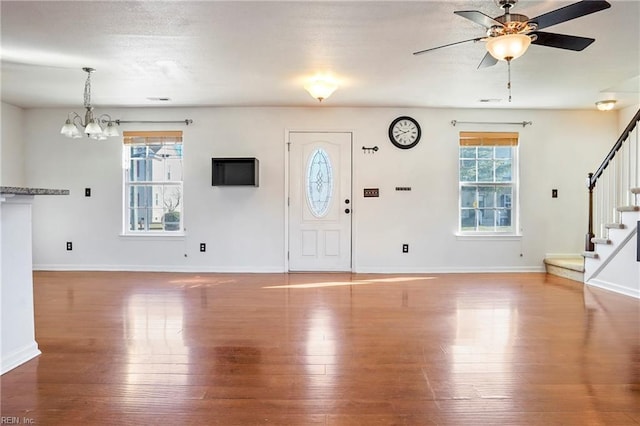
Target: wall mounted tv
{"x": 234, "y": 171}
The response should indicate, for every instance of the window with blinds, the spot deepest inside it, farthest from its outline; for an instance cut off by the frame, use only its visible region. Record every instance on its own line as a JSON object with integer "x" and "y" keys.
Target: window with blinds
{"x": 488, "y": 182}
{"x": 153, "y": 182}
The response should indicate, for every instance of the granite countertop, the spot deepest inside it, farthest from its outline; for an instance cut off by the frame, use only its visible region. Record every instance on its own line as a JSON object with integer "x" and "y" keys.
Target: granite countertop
{"x": 16, "y": 190}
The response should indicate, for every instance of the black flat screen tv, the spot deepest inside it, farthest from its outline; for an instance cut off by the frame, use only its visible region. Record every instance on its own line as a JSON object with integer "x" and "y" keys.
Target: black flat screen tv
{"x": 234, "y": 171}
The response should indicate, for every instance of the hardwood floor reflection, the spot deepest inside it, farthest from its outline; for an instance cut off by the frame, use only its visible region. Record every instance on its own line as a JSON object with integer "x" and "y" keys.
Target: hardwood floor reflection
{"x": 328, "y": 349}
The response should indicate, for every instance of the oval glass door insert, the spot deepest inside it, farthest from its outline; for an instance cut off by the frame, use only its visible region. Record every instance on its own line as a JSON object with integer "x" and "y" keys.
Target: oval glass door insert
{"x": 319, "y": 182}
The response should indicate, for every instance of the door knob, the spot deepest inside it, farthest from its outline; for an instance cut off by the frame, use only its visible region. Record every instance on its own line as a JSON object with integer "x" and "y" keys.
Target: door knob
{"x": 347, "y": 211}
{"x": 347, "y": 201}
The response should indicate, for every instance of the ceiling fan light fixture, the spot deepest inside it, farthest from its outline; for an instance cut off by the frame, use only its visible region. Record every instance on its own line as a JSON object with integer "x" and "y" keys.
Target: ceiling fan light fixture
{"x": 509, "y": 46}
{"x": 321, "y": 88}
{"x": 606, "y": 105}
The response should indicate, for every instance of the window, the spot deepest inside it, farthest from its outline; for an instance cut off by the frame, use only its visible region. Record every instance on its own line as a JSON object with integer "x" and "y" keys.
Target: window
{"x": 488, "y": 182}
{"x": 319, "y": 182}
{"x": 153, "y": 182}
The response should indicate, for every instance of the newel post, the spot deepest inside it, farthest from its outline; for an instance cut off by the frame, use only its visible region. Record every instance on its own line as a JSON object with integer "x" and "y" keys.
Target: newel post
{"x": 588, "y": 244}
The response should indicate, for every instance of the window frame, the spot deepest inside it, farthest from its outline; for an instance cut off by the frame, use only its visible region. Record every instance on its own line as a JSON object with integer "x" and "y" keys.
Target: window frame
{"x": 148, "y": 138}
{"x": 493, "y": 140}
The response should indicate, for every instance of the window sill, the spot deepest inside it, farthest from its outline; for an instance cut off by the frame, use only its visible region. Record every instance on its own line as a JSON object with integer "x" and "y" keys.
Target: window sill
{"x": 487, "y": 237}
{"x": 155, "y": 236}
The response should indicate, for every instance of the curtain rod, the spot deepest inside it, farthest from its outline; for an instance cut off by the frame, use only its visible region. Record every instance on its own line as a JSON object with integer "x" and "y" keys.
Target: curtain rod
{"x": 518, "y": 123}
{"x": 186, "y": 121}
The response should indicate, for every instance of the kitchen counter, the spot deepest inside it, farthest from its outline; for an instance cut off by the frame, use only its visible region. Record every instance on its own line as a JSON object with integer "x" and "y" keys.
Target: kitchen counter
{"x": 18, "y": 344}
{"x": 16, "y": 190}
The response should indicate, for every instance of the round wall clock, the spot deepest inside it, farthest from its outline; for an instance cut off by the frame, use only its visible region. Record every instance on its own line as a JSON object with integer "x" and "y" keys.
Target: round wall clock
{"x": 404, "y": 132}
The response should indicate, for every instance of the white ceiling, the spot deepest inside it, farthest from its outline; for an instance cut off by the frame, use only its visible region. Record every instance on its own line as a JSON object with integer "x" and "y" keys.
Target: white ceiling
{"x": 260, "y": 53}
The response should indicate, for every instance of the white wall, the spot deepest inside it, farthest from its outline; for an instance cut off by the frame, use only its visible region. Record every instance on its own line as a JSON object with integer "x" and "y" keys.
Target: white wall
{"x": 244, "y": 228}
{"x": 625, "y": 115}
{"x": 12, "y": 146}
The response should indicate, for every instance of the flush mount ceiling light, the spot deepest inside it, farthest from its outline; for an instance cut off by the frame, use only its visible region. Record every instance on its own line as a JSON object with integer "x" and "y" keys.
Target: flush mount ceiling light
{"x": 606, "y": 105}
{"x": 91, "y": 126}
{"x": 321, "y": 87}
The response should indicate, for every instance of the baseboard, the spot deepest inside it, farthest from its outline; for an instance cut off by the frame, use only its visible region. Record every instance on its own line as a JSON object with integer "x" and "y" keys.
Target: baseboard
{"x": 614, "y": 288}
{"x": 274, "y": 270}
{"x": 159, "y": 268}
{"x": 19, "y": 357}
{"x": 449, "y": 270}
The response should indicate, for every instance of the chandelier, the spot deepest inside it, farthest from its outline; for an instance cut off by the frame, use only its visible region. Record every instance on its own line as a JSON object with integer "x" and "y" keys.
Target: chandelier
{"x": 91, "y": 126}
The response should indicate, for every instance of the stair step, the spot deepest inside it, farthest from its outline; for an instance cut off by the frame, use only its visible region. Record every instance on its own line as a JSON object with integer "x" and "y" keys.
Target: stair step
{"x": 571, "y": 267}
{"x": 614, "y": 226}
{"x": 628, "y": 209}
{"x": 590, "y": 254}
{"x": 575, "y": 263}
{"x": 601, "y": 241}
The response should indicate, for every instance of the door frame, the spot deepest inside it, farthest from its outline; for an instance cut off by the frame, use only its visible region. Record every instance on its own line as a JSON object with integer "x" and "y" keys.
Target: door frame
{"x": 287, "y": 159}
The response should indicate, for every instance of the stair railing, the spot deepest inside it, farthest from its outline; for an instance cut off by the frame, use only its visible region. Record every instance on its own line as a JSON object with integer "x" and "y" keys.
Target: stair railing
{"x": 616, "y": 176}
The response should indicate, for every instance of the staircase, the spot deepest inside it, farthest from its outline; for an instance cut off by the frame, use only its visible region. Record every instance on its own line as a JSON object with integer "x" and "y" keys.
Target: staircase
{"x": 612, "y": 250}
{"x": 611, "y": 258}
{"x": 613, "y": 263}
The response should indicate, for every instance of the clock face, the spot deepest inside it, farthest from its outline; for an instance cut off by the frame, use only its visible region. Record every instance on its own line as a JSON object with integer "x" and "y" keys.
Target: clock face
{"x": 404, "y": 132}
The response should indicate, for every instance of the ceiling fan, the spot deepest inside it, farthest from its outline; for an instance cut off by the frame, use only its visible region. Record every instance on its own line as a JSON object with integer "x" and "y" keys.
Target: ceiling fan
{"x": 508, "y": 36}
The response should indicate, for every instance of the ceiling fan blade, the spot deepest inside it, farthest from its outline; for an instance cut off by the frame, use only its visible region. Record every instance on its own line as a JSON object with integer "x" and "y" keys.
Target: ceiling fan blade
{"x": 447, "y": 45}
{"x": 487, "y": 61}
{"x": 479, "y": 18}
{"x": 562, "y": 41}
{"x": 572, "y": 11}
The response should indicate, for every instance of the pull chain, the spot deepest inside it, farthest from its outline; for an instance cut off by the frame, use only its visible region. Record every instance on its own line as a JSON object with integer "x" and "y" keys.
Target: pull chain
{"x": 509, "y": 75}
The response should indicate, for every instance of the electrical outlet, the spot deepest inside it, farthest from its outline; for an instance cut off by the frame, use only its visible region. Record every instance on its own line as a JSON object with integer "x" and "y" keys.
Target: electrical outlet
{"x": 203, "y": 247}
{"x": 554, "y": 193}
{"x": 69, "y": 246}
{"x": 405, "y": 248}
{"x": 87, "y": 192}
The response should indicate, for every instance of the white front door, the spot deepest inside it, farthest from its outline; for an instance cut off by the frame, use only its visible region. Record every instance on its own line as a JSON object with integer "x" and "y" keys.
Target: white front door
{"x": 320, "y": 201}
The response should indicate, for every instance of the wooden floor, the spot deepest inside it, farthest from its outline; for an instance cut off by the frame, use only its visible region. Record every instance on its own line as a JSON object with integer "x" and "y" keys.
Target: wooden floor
{"x": 327, "y": 349}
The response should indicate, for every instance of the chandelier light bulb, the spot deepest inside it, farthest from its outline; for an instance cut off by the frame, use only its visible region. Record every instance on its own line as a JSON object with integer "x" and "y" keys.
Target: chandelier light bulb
{"x": 93, "y": 128}
{"x": 69, "y": 128}
{"x": 98, "y": 136}
{"x": 111, "y": 130}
